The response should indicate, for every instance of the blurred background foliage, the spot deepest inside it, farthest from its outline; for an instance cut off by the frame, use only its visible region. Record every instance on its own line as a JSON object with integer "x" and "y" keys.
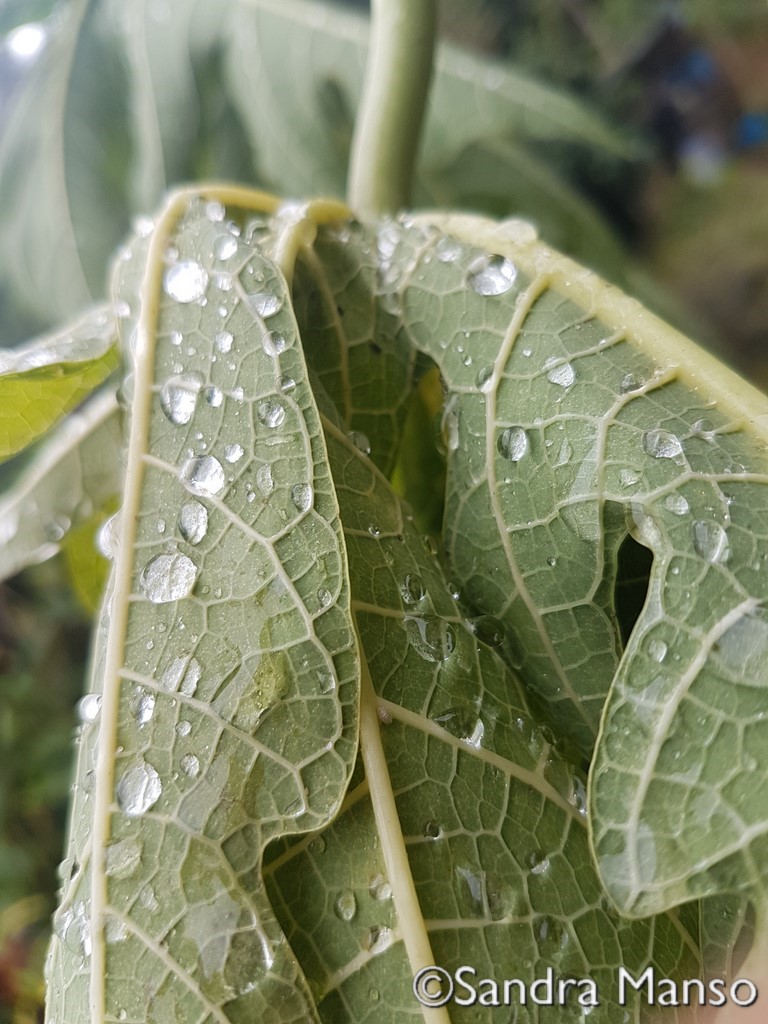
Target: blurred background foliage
{"x": 634, "y": 132}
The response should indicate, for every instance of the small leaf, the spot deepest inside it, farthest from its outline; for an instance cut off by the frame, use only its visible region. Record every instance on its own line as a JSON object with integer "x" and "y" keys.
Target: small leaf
{"x": 44, "y": 379}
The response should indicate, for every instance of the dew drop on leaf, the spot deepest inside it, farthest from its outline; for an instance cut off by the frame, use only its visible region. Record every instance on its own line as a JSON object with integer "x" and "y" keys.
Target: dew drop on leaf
{"x": 560, "y": 373}
{"x": 264, "y": 480}
{"x": 214, "y": 397}
{"x": 345, "y": 905}
{"x": 662, "y": 444}
{"x": 223, "y": 341}
{"x": 139, "y": 789}
{"x": 710, "y": 541}
{"x": 190, "y": 765}
{"x": 233, "y": 452}
{"x": 178, "y": 398}
{"x": 380, "y": 889}
{"x": 491, "y": 275}
{"x": 432, "y": 830}
{"x": 224, "y": 246}
{"x": 185, "y": 281}
{"x": 677, "y": 504}
{"x": 264, "y": 304}
{"x": 168, "y": 578}
{"x": 513, "y": 443}
{"x": 412, "y": 589}
{"x": 488, "y": 630}
{"x": 657, "y": 649}
{"x": 286, "y": 384}
{"x": 360, "y": 441}
{"x": 203, "y": 474}
{"x": 144, "y": 707}
{"x": 123, "y": 857}
{"x": 88, "y": 707}
{"x": 631, "y": 382}
{"x": 193, "y": 521}
{"x": 301, "y": 496}
{"x": 271, "y": 413}
{"x": 484, "y": 379}
{"x": 273, "y": 343}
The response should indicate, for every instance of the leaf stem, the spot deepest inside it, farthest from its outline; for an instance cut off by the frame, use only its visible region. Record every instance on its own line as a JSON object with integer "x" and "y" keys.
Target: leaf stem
{"x": 393, "y": 105}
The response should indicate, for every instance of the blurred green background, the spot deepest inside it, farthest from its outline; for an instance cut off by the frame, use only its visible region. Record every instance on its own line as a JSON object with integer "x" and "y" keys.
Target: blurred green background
{"x": 680, "y": 219}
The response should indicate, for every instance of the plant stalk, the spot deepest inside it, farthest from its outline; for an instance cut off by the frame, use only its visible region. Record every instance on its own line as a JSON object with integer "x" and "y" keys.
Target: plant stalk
{"x": 393, "y": 105}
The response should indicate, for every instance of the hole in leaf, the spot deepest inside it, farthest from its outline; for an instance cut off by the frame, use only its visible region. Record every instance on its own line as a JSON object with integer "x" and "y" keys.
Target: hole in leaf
{"x": 633, "y": 572}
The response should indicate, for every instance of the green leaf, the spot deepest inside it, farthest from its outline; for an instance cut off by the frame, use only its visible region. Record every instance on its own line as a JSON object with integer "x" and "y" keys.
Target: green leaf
{"x": 77, "y": 471}
{"x": 41, "y": 381}
{"x": 224, "y": 703}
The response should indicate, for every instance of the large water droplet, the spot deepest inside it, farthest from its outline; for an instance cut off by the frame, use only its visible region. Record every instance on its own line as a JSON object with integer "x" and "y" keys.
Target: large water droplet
{"x": 88, "y": 707}
{"x": 203, "y": 475}
{"x": 345, "y": 905}
{"x": 677, "y": 504}
{"x": 168, "y": 578}
{"x": 491, "y": 275}
{"x": 710, "y": 541}
{"x": 662, "y": 444}
{"x": 265, "y": 304}
{"x": 432, "y": 637}
{"x": 178, "y": 398}
{"x": 271, "y": 413}
{"x": 139, "y": 789}
{"x": 559, "y": 372}
{"x": 513, "y": 443}
{"x": 273, "y": 343}
{"x": 185, "y": 281}
{"x": 193, "y": 521}
{"x": 301, "y": 496}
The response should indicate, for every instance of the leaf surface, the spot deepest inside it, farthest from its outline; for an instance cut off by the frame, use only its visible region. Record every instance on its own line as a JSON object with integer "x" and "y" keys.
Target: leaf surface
{"x": 223, "y": 710}
{"x": 44, "y": 379}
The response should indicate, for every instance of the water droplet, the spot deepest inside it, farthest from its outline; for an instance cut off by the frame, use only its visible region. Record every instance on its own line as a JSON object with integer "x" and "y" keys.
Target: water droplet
{"x": 412, "y": 589}
{"x": 183, "y": 727}
{"x": 513, "y": 443}
{"x": 488, "y": 630}
{"x": 539, "y": 863}
{"x": 432, "y": 830}
{"x": 144, "y": 707}
{"x": 185, "y": 281}
{"x": 264, "y": 479}
{"x": 224, "y": 247}
{"x": 190, "y": 765}
{"x": 628, "y": 477}
{"x": 657, "y": 649}
{"x": 551, "y": 561}
{"x": 662, "y": 444}
{"x": 324, "y": 596}
{"x": 203, "y": 475}
{"x": 710, "y": 541}
{"x": 559, "y": 372}
{"x": 214, "y": 396}
{"x": 491, "y": 275}
{"x": 233, "y": 452}
{"x": 703, "y": 428}
{"x": 380, "y": 889}
{"x": 223, "y": 341}
{"x": 345, "y": 905}
{"x": 168, "y": 578}
{"x": 178, "y": 397}
{"x": 484, "y": 379}
{"x": 360, "y": 441}
{"x": 631, "y": 382}
{"x": 301, "y": 496}
{"x": 271, "y": 413}
{"x": 139, "y": 789}
{"x": 273, "y": 343}
{"x": 193, "y": 521}
{"x": 326, "y": 681}
{"x": 286, "y": 384}
{"x": 265, "y": 304}
{"x": 432, "y": 637}
{"x": 448, "y": 249}
{"x": 677, "y": 504}
{"x": 123, "y": 857}
{"x": 73, "y": 928}
{"x": 378, "y": 939}
{"x": 88, "y": 708}
{"x": 374, "y": 529}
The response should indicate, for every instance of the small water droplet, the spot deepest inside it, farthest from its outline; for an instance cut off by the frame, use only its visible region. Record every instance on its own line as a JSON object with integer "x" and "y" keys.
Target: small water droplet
{"x": 374, "y": 529}
{"x": 214, "y": 396}
{"x": 168, "y": 578}
{"x": 551, "y": 561}
{"x": 484, "y": 379}
{"x": 183, "y": 727}
{"x": 193, "y": 521}
{"x": 491, "y": 275}
{"x": 677, "y": 504}
{"x": 88, "y": 708}
{"x": 628, "y": 477}
{"x": 123, "y": 857}
{"x": 657, "y": 649}
{"x": 378, "y": 939}
{"x": 223, "y": 341}
{"x": 224, "y": 247}
{"x": 264, "y": 479}
{"x": 432, "y": 637}
{"x": 360, "y": 441}
{"x": 203, "y": 475}
{"x": 286, "y": 384}
{"x": 704, "y": 429}
{"x": 662, "y": 444}
{"x": 144, "y": 707}
{"x": 560, "y": 373}
{"x": 324, "y": 596}
{"x": 273, "y": 343}
{"x": 178, "y": 398}
{"x": 233, "y": 452}
{"x": 379, "y": 888}
{"x": 301, "y": 496}
{"x": 432, "y": 830}
{"x": 190, "y": 765}
{"x": 412, "y": 589}
{"x": 185, "y": 281}
{"x": 513, "y": 443}
{"x": 448, "y": 249}
{"x": 139, "y": 789}
{"x": 710, "y": 541}
{"x": 488, "y": 630}
{"x": 265, "y": 304}
{"x": 271, "y": 413}
{"x": 631, "y": 382}
{"x": 539, "y": 863}
{"x": 345, "y": 905}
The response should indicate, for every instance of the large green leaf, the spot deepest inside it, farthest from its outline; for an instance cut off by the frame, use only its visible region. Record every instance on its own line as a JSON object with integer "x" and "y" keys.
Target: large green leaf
{"x": 223, "y": 710}
{"x": 47, "y": 377}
